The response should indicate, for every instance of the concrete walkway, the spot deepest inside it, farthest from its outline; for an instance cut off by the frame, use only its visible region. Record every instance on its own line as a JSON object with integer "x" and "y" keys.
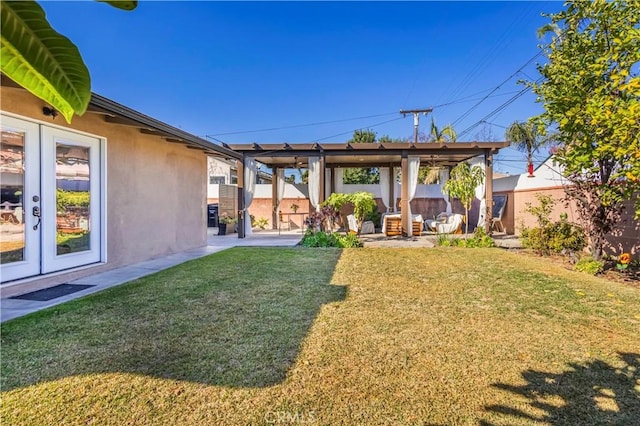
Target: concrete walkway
{"x": 14, "y": 308}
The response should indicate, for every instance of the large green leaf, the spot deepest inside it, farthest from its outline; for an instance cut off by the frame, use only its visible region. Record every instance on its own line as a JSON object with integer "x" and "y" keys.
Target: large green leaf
{"x": 41, "y": 60}
{"x": 121, "y": 4}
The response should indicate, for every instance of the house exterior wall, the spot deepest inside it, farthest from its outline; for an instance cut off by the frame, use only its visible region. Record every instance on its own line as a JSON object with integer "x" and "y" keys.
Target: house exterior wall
{"x": 155, "y": 190}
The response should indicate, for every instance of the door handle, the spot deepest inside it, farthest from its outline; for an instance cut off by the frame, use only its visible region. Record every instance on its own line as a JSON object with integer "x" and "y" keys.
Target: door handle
{"x": 36, "y": 212}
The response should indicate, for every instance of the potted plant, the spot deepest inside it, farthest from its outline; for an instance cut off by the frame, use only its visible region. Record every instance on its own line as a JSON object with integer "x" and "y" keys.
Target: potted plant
{"x": 226, "y": 224}
{"x": 294, "y": 207}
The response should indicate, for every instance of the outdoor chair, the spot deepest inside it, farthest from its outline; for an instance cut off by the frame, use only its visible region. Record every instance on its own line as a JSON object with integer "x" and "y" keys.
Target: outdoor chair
{"x": 499, "y": 203}
{"x": 282, "y": 222}
{"x": 367, "y": 226}
{"x": 446, "y": 223}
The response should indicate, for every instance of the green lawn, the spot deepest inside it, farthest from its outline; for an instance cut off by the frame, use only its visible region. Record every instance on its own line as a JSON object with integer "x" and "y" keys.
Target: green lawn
{"x": 440, "y": 336}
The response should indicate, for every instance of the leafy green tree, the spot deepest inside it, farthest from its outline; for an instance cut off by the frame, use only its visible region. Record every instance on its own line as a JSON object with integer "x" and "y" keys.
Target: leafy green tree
{"x": 304, "y": 176}
{"x": 525, "y": 137}
{"x": 462, "y": 184}
{"x": 362, "y": 175}
{"x": 590, "y": 90}
{"x": 363, "y": 136}
{"x": 43, "y": 61}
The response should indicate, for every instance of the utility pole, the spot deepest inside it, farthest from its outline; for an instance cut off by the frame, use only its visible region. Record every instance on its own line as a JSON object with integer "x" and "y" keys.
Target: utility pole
{"x": 416, "y": 119}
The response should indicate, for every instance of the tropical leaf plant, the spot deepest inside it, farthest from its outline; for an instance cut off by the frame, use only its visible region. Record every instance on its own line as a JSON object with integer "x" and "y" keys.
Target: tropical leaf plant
{"x": 442, "y": 135}
{"x": 43, "y": 61}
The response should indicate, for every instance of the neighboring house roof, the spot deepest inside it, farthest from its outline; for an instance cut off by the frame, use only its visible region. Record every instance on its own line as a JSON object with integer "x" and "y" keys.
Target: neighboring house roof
{"x": 119, "y": 114}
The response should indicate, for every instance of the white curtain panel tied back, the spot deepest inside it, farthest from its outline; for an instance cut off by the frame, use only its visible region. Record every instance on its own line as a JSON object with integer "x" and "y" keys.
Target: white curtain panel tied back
{"x": 250, "y": 177}
{"x": 480, "y": 192}
{"x": 385, "y": 177}
{"x": 314, "y": 181}
{"x": 413, "y": 166}
{"x": 280, "y": 188}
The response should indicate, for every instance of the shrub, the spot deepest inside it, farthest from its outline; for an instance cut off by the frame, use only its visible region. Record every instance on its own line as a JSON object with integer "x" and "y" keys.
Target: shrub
{"x": 322, "y": 220}
{"x": 261, "y": 223}
{"x": 364, "y": 205}
{"x": 561, "y": 237}
{"x": 325, "y": 239}
{"x": 349, "y": 241}
{"x": 589, "y": 265}
{"x": 479, "y": 239}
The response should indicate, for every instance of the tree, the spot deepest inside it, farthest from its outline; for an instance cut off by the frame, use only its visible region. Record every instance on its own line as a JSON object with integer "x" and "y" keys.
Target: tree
{"x": 363, "y": 136}
{"x": 462, "y": 184}
{"x": 442, "y": 135}
{"x": 591, "y": 92}
{"x": 43, "y": 61}
{"x": 525, "y": 137}
{"x": 360, "y": 175}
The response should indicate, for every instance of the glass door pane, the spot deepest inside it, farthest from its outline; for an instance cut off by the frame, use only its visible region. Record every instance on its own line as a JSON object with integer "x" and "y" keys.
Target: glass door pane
{"x": 73, "y": 199}
{"x": 20, "y": 198}
{"x": 12, "y": 165}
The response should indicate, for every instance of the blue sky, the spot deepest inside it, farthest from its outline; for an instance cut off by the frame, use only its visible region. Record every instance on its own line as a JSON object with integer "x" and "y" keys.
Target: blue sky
{"x": 222, "y": 68}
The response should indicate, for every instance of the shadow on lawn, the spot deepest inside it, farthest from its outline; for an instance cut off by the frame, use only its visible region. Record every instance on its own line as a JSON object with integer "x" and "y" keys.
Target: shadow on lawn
{"x": 235, "y": 329}
{"x": 593, "y": 393}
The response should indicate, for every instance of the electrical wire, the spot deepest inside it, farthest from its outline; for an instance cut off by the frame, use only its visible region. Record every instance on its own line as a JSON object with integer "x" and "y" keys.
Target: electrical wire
{"x": 496, "y": 46}
{"x": 499, "y": 109}
{"x": 360, "y": 128}
{"x": 301, "y": 125}
{"x": 470, "y": 110}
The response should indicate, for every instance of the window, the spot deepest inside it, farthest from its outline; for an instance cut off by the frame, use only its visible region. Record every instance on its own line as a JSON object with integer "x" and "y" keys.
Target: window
{"x": 217, "y": 180}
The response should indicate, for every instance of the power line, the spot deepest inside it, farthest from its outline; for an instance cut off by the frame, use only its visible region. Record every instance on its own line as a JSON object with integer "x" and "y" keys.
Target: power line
{"x": 300, "y": 125}
{"x": 481, "y": 64}
{"x": 351, "y": 131}
{"x": 499, "y": 109}
{"x": 470, "y": 110}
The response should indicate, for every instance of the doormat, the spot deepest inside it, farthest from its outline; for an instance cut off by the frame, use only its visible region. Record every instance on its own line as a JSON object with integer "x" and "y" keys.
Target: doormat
{"x": 52, "y": 292}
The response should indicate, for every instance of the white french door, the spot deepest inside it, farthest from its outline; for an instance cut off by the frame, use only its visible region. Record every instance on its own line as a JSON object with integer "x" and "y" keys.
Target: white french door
{"x": 20, "y": 187}
{"x": 51, "y": 199}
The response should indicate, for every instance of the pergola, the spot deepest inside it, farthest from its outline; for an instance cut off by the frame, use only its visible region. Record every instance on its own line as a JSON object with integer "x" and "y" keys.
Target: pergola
{"x": 330, "y": 156}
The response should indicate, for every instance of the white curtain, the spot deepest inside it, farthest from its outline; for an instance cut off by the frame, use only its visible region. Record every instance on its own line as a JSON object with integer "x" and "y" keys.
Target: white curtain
{"x": 396, "y": 189}
{"x": 339, "y": 171}
{"x": 280, "y": 188}
{"x": 384, "y": 185}
{"x": 314, "y": 181}
{"x": 480, "y": 192}
{"x": 444, "y": 177}
{"x": 250, "y": 176}
{"x": 412, "y": 181}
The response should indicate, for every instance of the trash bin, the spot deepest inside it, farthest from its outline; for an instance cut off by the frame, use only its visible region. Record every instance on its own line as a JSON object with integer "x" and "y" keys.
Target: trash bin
{"x": 212, "y": 215}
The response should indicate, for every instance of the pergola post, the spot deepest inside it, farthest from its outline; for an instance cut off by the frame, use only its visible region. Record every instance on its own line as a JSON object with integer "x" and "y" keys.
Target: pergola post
{"x": 404, "y": 195}
{"x": 332, "y": 186}
{"x": 392, "y": 186}
{"x": 322, "y": 180}
{"x": 274, "y": 197}
{"x": 241, "y": 213}
{"x": 488, "y": 188}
